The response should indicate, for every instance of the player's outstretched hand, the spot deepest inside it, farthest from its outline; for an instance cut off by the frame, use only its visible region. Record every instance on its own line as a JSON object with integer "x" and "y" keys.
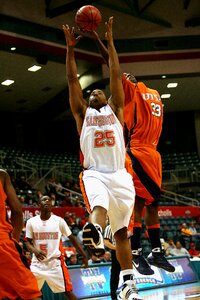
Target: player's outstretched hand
{"x": 109, "y": 34}
{"x": 70, "y": 38}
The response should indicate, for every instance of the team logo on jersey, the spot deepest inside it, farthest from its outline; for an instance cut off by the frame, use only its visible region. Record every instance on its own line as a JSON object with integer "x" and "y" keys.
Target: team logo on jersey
{"x": 45, "y": 235}
{"x": 100, "y": 120}
{"x": 150, "y": 96}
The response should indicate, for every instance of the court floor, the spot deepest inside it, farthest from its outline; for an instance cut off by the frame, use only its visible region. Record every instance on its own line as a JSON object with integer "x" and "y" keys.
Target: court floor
{"x": 177, "y": 292}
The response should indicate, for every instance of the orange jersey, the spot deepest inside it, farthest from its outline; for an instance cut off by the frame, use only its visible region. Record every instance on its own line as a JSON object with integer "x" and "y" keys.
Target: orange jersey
{"x": 16, "y": 281}
{"x": 5, "y": 225}
{"x": 143, "y": 115}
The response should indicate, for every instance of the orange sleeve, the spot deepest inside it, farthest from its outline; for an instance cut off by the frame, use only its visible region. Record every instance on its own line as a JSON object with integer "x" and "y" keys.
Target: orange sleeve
{"x": 129, "y": 88}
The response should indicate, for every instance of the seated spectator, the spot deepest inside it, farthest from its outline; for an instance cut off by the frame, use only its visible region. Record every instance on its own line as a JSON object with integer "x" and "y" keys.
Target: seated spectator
{"x": 54, "y": 199}
{"x": 70, "y": 219}
{"x": 29, "y": 197}
{"x": 94, "y": 260}
{"x": 66, "y": 200}
{"x": 79, "y": 202}
{"x": 28, "y": 256}
{"x": 106, "y": 257}
{"x": 73, "y": 260}
{"x": 192, "y": 250}
{"x": 169, "y": 246}
{"x": 179, "y": 250}
{"x": 22, "y": 184}
{"x": 192, "y": 228}
{"x": 22, "y": 200}
{"x": 76, "y": 187}
{"x": 39, "y": 194}
{"x": 186, "y": 235}
{"x": 185, "y": 230}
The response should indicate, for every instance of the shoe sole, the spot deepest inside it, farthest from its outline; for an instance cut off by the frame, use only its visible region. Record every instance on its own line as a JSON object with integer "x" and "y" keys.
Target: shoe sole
{"x": 91, "y": 237}
{"x": 144, "y": 272}
{"x": 170, "y": 269}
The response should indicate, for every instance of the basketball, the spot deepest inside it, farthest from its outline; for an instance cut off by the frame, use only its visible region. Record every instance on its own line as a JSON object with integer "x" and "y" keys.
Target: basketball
{"x": 88, "y": 18}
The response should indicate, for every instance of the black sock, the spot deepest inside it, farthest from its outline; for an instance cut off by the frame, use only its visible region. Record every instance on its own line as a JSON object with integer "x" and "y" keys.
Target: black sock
{"x": 135, "y": 238}
{"x": 154, "y": 236}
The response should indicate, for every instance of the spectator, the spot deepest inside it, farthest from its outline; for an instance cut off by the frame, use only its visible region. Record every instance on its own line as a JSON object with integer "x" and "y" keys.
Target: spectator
{"x": 53, "y": 197}
{"x": 28, "y": 256}
{"x": 94, "y": 260}
{"x": 73, "y": 260}
{"x": 192, "y": 250}
{"x": 22, "y": 184}
{"x": 76, "y": 187}
{"x": 192, "y": 228}
{"x": 106, "y": 257}
{"x": 66, "y": 200}
{"x": 185, "y": 230}
{"x": 179, "y": 250}
{"x": 22, "y": 200}
{"x": 186, "y": 235}
{"x": 169, "y": 246}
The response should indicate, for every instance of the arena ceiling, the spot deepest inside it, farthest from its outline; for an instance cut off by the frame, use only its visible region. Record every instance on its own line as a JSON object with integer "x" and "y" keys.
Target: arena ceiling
{"x": 154, "y": 38}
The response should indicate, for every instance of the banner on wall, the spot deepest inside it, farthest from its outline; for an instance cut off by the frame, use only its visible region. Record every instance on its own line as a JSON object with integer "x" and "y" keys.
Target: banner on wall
{"x": 94, "y": 281}
{"x": 164, "y": 211}
{"x": 29, "y": 212}
{"x": 178, "y": 211}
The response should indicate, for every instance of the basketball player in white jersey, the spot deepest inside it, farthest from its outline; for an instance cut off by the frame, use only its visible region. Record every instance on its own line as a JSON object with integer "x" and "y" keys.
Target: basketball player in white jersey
{"x": 43, "y": 235}
{"x": 106, "y": 186}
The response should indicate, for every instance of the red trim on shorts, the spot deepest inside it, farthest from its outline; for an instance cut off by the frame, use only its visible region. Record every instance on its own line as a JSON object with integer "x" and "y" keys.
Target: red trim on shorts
{"x": 83, "y": 191}
{"x": 65, "y": 271}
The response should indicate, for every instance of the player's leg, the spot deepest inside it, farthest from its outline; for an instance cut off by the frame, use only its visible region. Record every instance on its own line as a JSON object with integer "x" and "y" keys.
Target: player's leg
{"x": 139, "y": 261}
{"x": 96, "y": 197}
{"x": 124, "y": 256}
{"x": 122, "y": 197}
{"x": 156, "y": 257}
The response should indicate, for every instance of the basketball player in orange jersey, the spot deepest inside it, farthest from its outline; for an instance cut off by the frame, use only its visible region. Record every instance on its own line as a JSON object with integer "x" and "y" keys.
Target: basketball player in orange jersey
{"x": 16, "y": 280}
{"x": 106, "y": 185}
{"x": 143, "y": 116}
{"x": 43, "y": 235}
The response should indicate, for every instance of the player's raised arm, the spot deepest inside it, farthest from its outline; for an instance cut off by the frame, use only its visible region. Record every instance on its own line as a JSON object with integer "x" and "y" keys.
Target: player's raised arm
{"x": 116, "y": 88}
{"x": 77, "y": 103}
{"x": 101, "y": 47}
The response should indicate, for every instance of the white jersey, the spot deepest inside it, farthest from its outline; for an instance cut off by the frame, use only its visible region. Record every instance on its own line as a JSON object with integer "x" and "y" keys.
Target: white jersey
{"x": 46, "y": 235}
{"x": 102, "y": 141}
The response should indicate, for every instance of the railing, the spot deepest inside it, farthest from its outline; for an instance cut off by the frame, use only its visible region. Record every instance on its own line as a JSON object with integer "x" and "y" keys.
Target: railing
{"x": 180, "y": 198}
{"x": 54, "y": 172}
{"x": 178, "y": 176}
{"x": 72, "y": 193}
